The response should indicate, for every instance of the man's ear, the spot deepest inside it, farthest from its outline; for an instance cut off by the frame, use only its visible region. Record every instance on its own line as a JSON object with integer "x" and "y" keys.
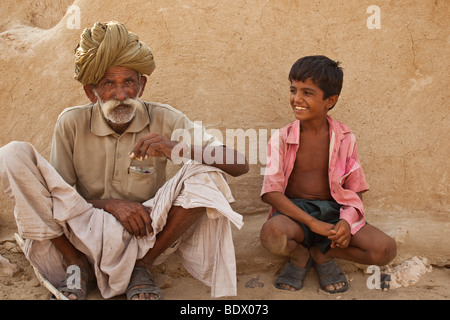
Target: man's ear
{"x": 143, "y": 81}
{"x": 89, "y": 90}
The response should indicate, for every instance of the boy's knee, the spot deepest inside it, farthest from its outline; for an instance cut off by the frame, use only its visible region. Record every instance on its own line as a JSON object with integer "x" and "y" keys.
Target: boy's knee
{"x": 390, "y": 250}
{"x": 273, "y": 239}
{"x": 386, "y": 252}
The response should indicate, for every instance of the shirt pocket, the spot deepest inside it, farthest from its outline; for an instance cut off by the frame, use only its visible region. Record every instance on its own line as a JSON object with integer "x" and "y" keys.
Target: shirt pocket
{"x": 141, "y": 183}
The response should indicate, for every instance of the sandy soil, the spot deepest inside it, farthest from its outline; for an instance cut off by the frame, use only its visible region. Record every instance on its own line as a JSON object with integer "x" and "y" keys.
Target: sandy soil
{"x": 256, "y": 270}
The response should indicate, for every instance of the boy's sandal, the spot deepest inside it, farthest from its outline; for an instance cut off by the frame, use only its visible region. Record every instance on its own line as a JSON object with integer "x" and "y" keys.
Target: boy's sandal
{"x": 330, "y": 273}
{"x": 141, "y": 281}
{"x": 293, "y": 276}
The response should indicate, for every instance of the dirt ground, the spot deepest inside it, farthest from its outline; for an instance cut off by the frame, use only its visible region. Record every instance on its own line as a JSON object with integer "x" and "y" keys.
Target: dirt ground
{"x": 256, "y": 272}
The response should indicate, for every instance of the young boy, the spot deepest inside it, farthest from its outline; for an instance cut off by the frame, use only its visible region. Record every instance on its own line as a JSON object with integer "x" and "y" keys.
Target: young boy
{"x": 314, "y": 186}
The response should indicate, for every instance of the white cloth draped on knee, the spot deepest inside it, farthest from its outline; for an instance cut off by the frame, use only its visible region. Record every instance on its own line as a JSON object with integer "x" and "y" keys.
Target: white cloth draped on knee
{"x": 206, "y": 249}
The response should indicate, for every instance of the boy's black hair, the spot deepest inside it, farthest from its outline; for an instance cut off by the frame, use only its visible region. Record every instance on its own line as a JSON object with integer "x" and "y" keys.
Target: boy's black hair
{"x": 324, "y": 72}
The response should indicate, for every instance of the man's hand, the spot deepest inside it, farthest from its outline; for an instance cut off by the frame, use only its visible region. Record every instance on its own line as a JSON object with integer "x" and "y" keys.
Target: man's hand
{"x": 342, "y": 236}
{"x": 152, "y": 145}
{"x": 156, "y": 145}
{"x": 134, "y": 217}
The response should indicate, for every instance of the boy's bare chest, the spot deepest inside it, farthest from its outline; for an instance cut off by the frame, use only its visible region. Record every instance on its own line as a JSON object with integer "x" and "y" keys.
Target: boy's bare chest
{"x": 309, "y": 177}
{"x": 312, "y": 153}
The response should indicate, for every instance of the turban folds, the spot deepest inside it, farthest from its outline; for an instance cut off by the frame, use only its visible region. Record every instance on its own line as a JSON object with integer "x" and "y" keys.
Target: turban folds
{"x": 110, "y": 45}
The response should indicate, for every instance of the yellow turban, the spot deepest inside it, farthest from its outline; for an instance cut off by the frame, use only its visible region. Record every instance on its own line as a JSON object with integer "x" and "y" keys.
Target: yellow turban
{"x": 110, "y": 45}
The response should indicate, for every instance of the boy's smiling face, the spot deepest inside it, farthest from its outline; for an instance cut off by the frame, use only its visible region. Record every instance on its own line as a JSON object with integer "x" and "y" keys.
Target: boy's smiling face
{"x": 307, "y": 100}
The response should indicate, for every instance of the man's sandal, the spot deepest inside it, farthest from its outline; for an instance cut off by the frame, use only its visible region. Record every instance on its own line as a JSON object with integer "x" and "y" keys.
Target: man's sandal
{"x": 81, "y": 285}
{"x": 330, "y": 273}
{"x": 141, "y": 281}
{"x": 293, "y": 276}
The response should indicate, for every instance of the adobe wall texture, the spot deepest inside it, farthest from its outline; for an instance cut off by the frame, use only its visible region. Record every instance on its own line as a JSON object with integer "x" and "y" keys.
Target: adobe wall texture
{"x": 225, "y": 63}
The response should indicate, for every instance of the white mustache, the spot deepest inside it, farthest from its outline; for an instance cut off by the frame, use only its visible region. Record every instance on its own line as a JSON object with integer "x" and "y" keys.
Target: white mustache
{"x": 119, "y": 116}
{"x": 110, "y": 105}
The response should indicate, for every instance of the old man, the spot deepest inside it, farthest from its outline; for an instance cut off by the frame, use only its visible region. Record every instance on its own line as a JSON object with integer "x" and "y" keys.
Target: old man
{"x": 102, "y": 208}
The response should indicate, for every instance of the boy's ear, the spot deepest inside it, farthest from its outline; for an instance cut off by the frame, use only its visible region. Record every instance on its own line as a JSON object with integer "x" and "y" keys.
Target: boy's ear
{"x": 331, "y": 101}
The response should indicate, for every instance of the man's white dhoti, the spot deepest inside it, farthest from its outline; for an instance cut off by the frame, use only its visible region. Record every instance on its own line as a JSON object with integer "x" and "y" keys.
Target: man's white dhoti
{"x": 47, "y": 207}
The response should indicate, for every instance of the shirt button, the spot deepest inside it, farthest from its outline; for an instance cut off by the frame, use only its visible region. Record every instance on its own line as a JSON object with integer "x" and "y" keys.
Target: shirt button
{"x": 118, "y": 156}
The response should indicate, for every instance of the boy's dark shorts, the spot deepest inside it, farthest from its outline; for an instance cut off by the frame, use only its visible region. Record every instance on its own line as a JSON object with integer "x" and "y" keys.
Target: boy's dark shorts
{"x": 323, "y": 210}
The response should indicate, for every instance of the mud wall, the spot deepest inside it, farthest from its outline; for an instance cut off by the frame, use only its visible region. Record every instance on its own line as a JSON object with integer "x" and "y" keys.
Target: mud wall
{"x": 225, "y": 63}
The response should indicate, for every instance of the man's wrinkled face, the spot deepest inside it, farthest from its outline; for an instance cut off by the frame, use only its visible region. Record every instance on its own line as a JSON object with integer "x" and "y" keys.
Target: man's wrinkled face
{"x": 117, "y": 94}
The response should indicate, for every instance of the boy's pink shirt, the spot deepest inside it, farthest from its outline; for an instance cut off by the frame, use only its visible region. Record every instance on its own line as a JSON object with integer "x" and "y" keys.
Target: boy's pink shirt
{"x": 345, "y": 173}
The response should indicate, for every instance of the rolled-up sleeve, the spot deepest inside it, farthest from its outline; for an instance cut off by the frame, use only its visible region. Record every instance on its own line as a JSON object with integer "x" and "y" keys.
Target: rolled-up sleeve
{"x": 352, "y": 182}
{"x": 274, "y": 175}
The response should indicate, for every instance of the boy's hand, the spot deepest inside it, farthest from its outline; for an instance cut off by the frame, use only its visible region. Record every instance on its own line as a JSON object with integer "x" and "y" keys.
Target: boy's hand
{"x": 342, "y": 236}
{"x": 322, "y": 228}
